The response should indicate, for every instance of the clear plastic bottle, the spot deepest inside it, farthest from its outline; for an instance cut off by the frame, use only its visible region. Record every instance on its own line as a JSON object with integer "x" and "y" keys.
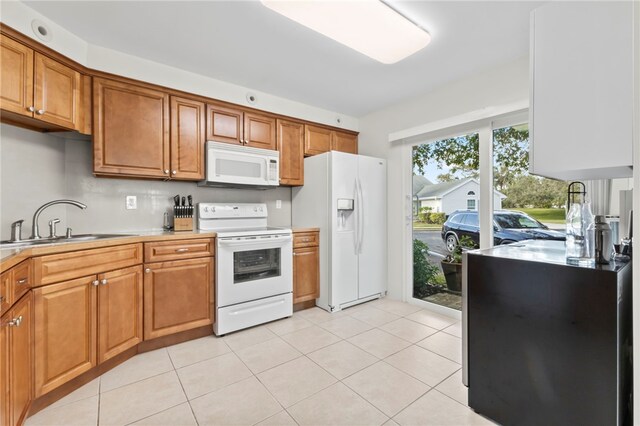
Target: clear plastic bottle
{"x": 580, "y": 244}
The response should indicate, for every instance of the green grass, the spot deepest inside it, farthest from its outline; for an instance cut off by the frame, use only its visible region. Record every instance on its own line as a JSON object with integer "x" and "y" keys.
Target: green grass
{"x": 425, "y": 226}
{"x": 545, "y": 215}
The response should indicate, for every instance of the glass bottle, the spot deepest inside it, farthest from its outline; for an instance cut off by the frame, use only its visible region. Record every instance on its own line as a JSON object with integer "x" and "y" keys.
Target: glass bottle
{"x": 580, "y": 237}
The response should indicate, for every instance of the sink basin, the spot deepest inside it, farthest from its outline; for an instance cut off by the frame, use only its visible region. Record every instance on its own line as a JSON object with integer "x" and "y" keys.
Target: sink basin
{"x": 60, "y": 240}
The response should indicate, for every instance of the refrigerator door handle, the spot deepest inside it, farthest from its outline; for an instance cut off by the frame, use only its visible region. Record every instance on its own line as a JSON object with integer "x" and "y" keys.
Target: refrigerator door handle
{"x": 361, "y": 216}
{"x": 356, "y": 234}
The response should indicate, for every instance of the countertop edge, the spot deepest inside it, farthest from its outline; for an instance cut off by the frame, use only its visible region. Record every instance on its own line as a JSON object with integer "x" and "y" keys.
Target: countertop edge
{"x": 13, "y": 257}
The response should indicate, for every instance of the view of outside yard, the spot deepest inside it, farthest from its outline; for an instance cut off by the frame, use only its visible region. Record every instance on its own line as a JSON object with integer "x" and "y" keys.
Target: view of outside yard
{"x": 445, "y": 179}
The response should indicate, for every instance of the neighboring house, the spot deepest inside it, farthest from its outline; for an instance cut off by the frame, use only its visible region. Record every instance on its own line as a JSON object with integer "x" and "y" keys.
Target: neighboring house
{"x": 446, "y": 197}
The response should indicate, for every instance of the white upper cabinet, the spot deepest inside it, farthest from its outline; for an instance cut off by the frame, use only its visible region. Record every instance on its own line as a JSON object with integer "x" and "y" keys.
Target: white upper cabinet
{"x": 581, "y": 90}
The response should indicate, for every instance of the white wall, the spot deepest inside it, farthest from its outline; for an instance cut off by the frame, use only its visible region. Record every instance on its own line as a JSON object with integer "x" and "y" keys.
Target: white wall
{"x": 506, "y": 84}
{"x": 39, "y": 167}
{"x": 19, "y": 16}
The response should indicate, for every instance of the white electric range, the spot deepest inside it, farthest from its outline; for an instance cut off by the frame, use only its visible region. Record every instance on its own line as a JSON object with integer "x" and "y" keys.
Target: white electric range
{"x": 254, "y": 271}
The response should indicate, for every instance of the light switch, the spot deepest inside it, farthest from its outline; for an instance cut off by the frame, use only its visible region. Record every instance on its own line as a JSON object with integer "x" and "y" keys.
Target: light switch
{"x": 131, "y": 202}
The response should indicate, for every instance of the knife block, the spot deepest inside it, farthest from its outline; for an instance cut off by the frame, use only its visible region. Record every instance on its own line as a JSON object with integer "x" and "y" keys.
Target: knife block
{"x": 183, "y": 224}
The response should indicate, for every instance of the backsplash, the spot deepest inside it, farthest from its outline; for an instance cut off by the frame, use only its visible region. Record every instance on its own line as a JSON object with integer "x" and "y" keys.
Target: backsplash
{"x": 37, "y": 167}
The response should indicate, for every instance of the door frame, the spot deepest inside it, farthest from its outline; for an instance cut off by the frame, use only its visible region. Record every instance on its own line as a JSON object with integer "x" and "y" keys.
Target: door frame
{"x": 484, "y": 127}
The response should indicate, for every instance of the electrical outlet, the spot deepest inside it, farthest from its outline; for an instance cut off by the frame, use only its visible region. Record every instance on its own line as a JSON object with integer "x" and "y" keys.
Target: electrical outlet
{"x": 131, "y": 202}
{"x": 278, "y": 204}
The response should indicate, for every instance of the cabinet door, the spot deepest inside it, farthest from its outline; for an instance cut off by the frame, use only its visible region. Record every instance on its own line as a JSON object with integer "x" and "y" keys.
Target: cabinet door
{"x": 316, "y": 140}
{"x": 119, "y": 311}
{"x": 187, "y": 139}
{"x": 20, "y": 359}
{"x": 306, "y": 274}
{"x": 259, "y": 131}
{"x": 224, "y": 124}
{"x": 4, "y": 371}
{"x": 65, "y": 332}
{"x": 178, "y": 296}
{"x": 291, "y": 147}
{"x": 345, "y": 142}
{"x": 16, "y": 77}
{"x": 130, "y": 129}
{"x": 56, "y": 93}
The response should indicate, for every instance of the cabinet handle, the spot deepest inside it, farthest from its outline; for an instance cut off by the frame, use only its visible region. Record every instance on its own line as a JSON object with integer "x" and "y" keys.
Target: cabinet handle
{"x": 147, "y": 270}
{"x": 104, "y": 281}
{"x": 21, "y": 281}
{"x": 166, "y": 171}
{"x": 173, "y": 172}
{"x": 181, "y": 250}
{"x": 15, "y": 322}
{"x": 40, "y": 112}
{"x": 95, "y": 282}
{"x": 31, "y": 109}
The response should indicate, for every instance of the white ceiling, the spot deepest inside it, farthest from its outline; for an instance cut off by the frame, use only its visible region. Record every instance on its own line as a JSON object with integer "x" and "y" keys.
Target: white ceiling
{"x": 245, "y": 43}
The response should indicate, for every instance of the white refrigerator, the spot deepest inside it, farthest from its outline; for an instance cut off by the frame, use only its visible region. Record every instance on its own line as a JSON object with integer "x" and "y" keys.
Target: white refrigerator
{"x": 345, "y": 196}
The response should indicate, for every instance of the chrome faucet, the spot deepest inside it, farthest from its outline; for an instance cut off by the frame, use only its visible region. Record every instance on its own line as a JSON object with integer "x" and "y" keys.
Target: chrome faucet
{"x": 35, "y": 233}
{"x": 16, "y": 231}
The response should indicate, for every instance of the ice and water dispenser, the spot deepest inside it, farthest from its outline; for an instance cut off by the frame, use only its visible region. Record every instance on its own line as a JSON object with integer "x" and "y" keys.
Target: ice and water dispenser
{"x": 345, "y": 214}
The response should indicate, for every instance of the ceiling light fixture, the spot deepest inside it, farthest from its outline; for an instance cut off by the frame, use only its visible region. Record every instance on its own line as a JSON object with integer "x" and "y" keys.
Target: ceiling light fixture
{"x": 367, "y": 26}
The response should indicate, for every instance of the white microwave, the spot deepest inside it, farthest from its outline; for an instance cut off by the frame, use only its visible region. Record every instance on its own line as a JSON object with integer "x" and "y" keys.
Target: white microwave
{"x": 234, "y": 165}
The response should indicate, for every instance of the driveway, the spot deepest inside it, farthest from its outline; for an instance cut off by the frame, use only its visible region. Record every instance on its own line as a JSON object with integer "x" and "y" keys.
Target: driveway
{"x": 437, "y": 249}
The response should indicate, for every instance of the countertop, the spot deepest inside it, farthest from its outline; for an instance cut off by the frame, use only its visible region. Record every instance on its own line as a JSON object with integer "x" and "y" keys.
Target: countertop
{"x": 297, "y": 230}
{"x": 541, "y": 251}
{"x": 11, "y": 257}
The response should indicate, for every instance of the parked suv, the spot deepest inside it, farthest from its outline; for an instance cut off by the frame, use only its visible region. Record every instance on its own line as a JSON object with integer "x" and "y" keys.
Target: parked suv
{"x": 508, "y": 227}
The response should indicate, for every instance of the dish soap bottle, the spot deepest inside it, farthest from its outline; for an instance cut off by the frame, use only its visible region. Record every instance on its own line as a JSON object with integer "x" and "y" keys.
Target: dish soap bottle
{"x": 580, "y": 249}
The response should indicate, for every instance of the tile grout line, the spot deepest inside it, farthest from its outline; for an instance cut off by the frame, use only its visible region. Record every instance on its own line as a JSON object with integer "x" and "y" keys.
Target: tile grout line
{"x": 175, "y": 370}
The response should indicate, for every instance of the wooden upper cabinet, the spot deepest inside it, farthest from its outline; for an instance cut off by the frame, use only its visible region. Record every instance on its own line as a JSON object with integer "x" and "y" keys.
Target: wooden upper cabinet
{"x": 56, "y": 93}
{"x": 65, "y": 332}
{"x": 20, "y": 360}
{"x": 16, "y": 77}
{"x": 178, "y": 296}
{"x": 345, "y": 142}
{"x": 291, "y": 148}
{"x": 259, "y": 131}
{"x": 316, "y": 140}
{"x": 187, "y": 139}
{"x": 224, "y": 124}
{"x": 119, "y": 311}
{"x": 130, "y": 129}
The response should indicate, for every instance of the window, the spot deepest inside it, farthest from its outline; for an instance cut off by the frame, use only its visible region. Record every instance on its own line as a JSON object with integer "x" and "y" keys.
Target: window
{"x": 471, "y": 193}
{"x": 471, "y": 219}
{"x": 471, "y": 204}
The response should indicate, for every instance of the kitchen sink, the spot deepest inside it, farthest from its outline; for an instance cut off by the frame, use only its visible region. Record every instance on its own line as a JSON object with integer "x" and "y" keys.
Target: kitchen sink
{"x": 60, "y": 240}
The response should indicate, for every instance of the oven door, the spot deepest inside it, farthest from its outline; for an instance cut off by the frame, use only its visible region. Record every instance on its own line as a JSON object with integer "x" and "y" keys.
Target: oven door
{"x": 250, "y": 268}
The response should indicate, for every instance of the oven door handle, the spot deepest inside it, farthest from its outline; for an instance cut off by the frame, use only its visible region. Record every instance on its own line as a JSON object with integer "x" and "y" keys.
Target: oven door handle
{"x": 254, "y": 241}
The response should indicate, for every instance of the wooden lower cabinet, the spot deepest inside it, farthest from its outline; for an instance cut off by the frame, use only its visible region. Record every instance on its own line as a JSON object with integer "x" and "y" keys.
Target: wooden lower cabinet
{"x": 306, "y": 266}
{"x": 16, "y": 362}
{"x": 83, "y": 322}
{"x": 65, "y": 332}
{"x": 119, "y": 311}
{"x": 178, "y": 296}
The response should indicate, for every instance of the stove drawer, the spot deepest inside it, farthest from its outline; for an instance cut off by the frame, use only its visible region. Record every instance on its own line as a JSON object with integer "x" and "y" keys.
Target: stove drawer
{"x": 255, "y": 312}
{"x": 178, "y": 249}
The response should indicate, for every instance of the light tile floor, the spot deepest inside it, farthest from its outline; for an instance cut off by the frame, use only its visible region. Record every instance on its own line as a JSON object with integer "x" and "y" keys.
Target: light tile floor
{"x": 384, "y": 362}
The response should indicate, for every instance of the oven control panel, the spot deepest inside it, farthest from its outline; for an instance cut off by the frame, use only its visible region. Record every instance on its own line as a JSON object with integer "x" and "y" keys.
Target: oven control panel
{"x": 229, "y": 211}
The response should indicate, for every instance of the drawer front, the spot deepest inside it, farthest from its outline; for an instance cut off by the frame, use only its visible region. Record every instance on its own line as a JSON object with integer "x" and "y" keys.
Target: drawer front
{"x": 66, "y": 266}
{"x": 306, "y": 239}
{"x": 5, "y": 291}
{"x": 178, "y": 249}
{"x": 22, "y": 279}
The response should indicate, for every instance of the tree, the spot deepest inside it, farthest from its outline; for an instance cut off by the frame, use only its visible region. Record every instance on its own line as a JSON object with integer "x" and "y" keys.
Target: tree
{"x": 461, "y": 155}
{"x": 533, "y": 191}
